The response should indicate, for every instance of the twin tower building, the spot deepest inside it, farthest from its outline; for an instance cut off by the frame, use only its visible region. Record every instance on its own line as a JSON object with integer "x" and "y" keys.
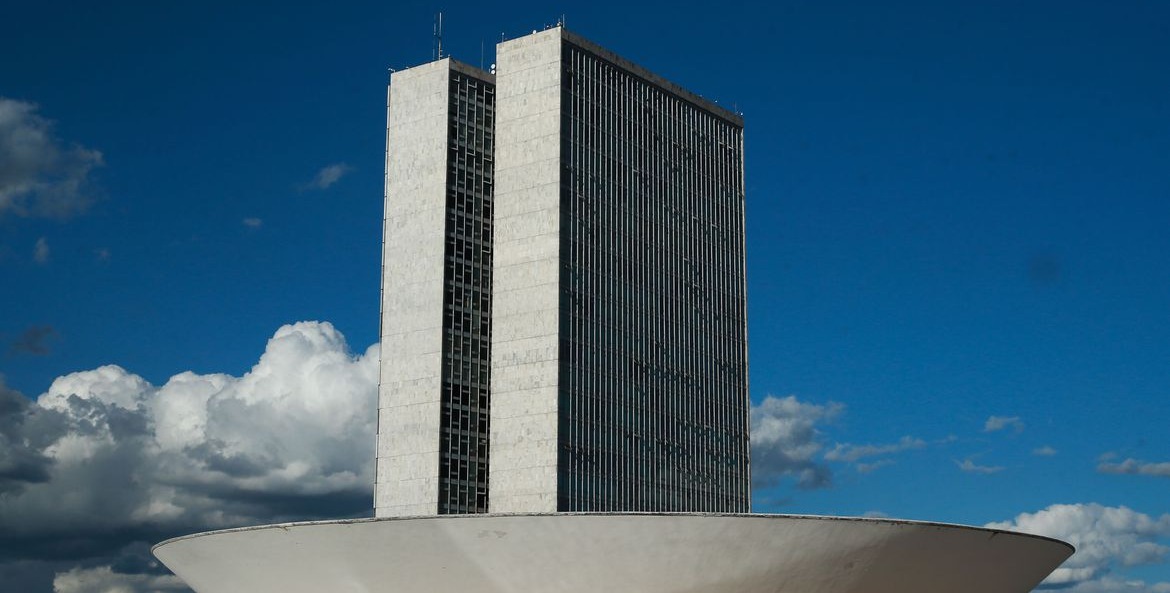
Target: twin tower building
{"x": 563, "y": 289}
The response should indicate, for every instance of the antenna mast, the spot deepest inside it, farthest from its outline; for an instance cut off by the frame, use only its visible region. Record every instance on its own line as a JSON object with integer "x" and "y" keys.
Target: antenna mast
{"x": 439, "y": 36}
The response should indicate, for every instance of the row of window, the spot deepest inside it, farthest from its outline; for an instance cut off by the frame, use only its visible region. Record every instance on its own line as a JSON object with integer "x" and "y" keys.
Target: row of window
{"x": 649, "y": 300}
{"x": 464, "y": 450}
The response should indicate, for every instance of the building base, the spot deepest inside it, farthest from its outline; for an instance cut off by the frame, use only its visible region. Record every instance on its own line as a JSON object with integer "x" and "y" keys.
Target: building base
{"x": 588, "y": 553}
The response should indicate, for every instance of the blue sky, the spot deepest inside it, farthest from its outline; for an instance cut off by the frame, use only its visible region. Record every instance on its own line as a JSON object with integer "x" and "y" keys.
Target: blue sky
{"x": 959, "y": 289}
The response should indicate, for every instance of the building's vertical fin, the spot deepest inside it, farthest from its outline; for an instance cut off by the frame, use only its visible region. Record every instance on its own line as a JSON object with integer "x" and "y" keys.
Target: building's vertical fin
{"x": 409, "y": 398}
{"x": 745, "y": 486}
{"x": 526, "y": 291}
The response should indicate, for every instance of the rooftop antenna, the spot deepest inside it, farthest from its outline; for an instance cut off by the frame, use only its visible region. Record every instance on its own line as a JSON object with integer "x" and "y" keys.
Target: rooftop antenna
{"x": 439, "y": 36}
{"x": 561, "y": 23}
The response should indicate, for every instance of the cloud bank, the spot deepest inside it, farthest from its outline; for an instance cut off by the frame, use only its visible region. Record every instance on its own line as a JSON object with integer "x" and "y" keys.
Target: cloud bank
{"x": 39, "y": 175}
{"x": 104, "y": 463}
{"x": 1106, "y": 538}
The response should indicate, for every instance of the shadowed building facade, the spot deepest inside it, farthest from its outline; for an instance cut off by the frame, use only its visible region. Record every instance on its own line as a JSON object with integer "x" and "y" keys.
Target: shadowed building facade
{"x": 600, "y": 241}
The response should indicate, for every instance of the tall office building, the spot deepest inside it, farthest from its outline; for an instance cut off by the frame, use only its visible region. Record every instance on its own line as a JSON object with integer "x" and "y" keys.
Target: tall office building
{"x": 436, "y": 292}
{"x": 600, "y": 245}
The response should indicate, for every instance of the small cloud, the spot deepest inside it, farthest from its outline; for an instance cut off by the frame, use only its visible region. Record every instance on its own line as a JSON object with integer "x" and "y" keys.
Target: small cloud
{"x": 105, "y": 578}
{"x": 329, "y": 175}
{"x": 33, "y": 341}
{"x": 1134, "y": 467}
{"x": 851, "y": 453}
{"x": 40, "y": 176}
{"x": 865, "y": 468}
{"x": 253, "y": 222}
{"x": 1045, "y": 451}
{"x": 41, "y": 251}
{"x": 971, "y": 467}
{"x": 101, "y": 254}
{"x": 998, "y": 423}
{"x": 786, "y": 440}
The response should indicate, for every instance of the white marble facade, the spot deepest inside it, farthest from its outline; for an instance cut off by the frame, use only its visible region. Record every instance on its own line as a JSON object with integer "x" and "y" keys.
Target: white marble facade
{"x": 526, "y": 290}
{"x": 409, "y": 394}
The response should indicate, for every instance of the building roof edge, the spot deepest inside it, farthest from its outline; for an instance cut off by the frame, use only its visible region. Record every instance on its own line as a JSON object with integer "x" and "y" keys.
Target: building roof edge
{"x": 650, "y": 76}
{"x": 452, "y": 64}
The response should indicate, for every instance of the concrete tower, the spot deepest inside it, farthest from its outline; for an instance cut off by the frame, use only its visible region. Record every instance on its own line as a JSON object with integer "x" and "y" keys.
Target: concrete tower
{"x": 619, "y": 364}
{"x": 587, "y": 265}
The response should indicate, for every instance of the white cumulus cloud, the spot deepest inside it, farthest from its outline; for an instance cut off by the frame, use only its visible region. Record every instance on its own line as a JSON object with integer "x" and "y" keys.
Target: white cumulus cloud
{"x": 104, "y": 460}
{"x": 1107, "y": 539}
{"x": 786, "y": 441}
{"x": 39, "y": 175}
